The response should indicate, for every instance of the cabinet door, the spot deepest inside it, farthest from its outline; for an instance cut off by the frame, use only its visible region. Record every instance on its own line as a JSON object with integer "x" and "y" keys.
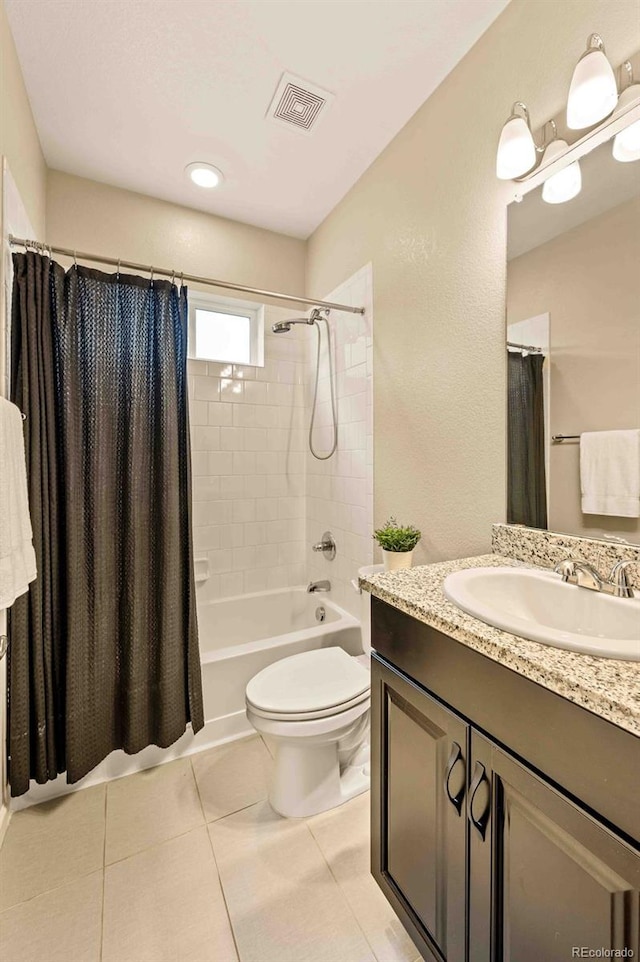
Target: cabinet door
{"x": 419, "y": 752}
{"x": 560, "y": 881}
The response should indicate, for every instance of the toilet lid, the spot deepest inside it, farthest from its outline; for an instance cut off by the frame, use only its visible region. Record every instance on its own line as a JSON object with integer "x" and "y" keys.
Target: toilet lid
{"x": 308, "y": 682}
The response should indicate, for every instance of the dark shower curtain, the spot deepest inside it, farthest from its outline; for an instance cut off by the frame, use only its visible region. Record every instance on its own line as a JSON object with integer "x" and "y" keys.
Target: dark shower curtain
{"x": 105, "y": 650}
{"x": 526, "y": 480}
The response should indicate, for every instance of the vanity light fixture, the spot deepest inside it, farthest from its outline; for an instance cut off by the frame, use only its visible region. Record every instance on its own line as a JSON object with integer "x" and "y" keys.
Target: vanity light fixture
{"x": 567, "y": 183}
{"x": 516, "y": 147}
{"x": 593, "y": 93}
{"x": 204, "y": 175}
{"x": 626, "y": 143}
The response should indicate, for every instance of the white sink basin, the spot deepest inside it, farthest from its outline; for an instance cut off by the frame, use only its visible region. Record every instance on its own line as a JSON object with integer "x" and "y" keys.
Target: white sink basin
{"x": 540, "y": 606}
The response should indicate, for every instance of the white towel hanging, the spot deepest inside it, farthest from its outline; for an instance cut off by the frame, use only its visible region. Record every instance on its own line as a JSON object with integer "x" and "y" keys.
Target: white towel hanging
{"x": 17, "y": 557}
{"x": 610, "y": 473}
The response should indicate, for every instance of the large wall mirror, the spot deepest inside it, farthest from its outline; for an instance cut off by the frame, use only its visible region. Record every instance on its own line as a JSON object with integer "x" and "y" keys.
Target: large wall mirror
{"x": 573, "y": 354}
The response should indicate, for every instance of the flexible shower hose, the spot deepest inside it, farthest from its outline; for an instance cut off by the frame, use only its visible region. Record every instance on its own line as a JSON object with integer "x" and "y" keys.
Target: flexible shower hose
{"x": 324, "y": 457}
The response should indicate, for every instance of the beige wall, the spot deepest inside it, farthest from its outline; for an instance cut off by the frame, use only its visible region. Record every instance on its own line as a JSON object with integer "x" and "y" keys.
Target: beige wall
{"x": 430, "y": 216}
{"x": 588, "y": 281}
{"x": 85, "y": 215}
{"x": 18, "y": 136}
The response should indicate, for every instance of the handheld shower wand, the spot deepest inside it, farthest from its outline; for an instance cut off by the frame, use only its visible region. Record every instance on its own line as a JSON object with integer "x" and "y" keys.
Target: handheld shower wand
{"x": 283, "y": 327}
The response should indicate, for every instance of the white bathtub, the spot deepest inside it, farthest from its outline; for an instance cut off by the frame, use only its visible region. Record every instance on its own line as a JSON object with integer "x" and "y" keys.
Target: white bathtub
{"x": 238, "y": 637}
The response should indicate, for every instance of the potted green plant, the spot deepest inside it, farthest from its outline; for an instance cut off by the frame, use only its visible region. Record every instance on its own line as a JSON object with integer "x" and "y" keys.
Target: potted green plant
{"x": 397, "y": 543}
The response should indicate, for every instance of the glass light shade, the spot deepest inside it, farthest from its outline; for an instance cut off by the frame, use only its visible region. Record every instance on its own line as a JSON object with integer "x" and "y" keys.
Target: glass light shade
{"x": 204, "y": 175}
{"x": 516, "y": 149}
{"x": 626, "y": 143}
{"x": 593, "y": 93}
{"x": 567, "y": 183}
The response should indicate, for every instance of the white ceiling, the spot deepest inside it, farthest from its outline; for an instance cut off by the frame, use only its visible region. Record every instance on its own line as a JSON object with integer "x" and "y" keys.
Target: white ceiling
{"x": 128, "y": 92}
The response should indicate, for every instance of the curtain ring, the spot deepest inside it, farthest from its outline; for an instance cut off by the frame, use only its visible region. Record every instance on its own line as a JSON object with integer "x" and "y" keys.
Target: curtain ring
{"x": 151, "y": 275}
{"x": 118, "y": 270}
{"x": 75, "y": 261}
{"x": 173, "y": 277}
{"x": 50, "y": 253}
{"x": 181, "y": 278}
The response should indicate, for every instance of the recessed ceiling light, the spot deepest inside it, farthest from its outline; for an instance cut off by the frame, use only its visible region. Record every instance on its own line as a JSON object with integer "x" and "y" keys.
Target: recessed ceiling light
{"x": 204, "y": 175}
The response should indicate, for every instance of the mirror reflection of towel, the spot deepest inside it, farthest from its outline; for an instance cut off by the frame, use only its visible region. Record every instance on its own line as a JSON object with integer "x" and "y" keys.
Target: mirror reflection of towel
{"x": 17, "y": 557}
{"x": 610, "y": 473}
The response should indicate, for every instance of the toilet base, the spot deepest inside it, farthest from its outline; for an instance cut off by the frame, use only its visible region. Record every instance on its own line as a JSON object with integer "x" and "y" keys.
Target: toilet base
{"x": 307, "y": 781}
{"x": 318, "y": 763}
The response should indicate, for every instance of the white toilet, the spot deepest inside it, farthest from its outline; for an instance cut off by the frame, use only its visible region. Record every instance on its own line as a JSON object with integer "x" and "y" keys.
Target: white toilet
{"x": 313, "y": 709}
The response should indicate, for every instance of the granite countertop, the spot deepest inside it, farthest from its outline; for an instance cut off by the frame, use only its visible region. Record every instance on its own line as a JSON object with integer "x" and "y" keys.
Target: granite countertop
{"x": 605, "y": 686}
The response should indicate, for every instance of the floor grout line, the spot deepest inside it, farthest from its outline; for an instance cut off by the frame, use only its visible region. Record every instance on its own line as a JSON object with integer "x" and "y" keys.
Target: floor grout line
{"x": 169, "y": 838}
{"x": 195, "y": 782}
{"x": 215, "y": 862}
{"x": 104, "y": 870}
{"x": 55, "y": 888}
{"x": 342, "y": 891}
{"x": 156, "y": 844}
{"x": 236, "y": 811}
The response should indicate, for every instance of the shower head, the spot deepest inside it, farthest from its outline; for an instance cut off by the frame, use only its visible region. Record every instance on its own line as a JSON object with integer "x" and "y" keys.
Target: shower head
{"x": 283, "y": 327}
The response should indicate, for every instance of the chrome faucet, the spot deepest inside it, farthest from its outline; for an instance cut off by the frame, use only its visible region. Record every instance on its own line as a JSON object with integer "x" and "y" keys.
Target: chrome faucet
{"x": 580, "y": 573}
{"x": 584, "y": 575}
{"x": 327, "y": 546}
{"x": 618, "y": 578}
{"x": 318, "y": 586}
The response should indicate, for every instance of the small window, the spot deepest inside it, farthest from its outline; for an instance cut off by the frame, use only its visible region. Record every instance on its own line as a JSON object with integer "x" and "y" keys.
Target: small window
{"x": 227, "y": 330}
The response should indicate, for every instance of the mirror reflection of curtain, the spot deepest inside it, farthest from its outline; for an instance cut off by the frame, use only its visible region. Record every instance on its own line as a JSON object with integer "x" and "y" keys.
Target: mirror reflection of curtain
{"x": 526, "y": 481}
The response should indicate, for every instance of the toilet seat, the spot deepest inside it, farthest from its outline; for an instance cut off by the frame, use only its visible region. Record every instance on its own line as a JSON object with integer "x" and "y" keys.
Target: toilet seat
{"x": 313, "y": 684}
{"x": 308, "y": 715}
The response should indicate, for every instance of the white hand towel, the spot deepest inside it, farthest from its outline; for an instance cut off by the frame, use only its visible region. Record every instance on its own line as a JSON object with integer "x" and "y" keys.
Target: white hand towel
{"x": 17, "y": 557}
{"x": 610, "y": 473}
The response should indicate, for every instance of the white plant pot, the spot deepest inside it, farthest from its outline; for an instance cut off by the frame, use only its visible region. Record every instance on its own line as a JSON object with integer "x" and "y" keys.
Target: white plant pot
{"x": 396, "y": 560}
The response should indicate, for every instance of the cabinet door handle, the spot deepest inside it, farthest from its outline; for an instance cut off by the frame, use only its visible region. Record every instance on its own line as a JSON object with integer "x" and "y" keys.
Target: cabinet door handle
{"x": 454, "y": 758}
{"x": 479, "y": 776}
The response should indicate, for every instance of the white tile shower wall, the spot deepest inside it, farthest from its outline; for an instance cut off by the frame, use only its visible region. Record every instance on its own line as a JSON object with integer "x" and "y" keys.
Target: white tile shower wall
{"x": 340, "y": 490}
{"x": 248, "y": 456}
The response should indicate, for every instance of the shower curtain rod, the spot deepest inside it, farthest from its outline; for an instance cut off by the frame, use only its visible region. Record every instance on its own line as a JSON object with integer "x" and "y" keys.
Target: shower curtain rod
{"x": 191, "y": 278}
{"x": 530, "y": 348}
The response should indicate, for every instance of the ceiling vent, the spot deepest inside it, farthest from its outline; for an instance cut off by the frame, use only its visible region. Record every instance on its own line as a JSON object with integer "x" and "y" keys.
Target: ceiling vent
{"x": 298, "y": 104}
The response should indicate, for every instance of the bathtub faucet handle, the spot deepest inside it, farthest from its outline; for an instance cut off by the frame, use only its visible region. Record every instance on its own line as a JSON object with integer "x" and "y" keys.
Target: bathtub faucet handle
{"x": 327, "y": 546}
{"x": 318, "y": 586}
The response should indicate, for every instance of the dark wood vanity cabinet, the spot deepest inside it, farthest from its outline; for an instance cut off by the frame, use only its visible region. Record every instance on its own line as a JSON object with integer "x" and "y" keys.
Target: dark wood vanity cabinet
{"x": 545, "y": 877}
{"x": 484, "y": 858}
{"x": 423, "y": 849}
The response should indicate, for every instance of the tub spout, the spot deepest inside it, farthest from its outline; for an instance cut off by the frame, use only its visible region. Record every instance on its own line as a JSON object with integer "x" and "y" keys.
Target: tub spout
{"x": 318, "y": 586}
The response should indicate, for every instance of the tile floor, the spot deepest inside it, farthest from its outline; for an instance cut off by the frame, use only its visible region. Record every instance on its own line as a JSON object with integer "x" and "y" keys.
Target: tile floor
{"x": 188, "y": 863}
